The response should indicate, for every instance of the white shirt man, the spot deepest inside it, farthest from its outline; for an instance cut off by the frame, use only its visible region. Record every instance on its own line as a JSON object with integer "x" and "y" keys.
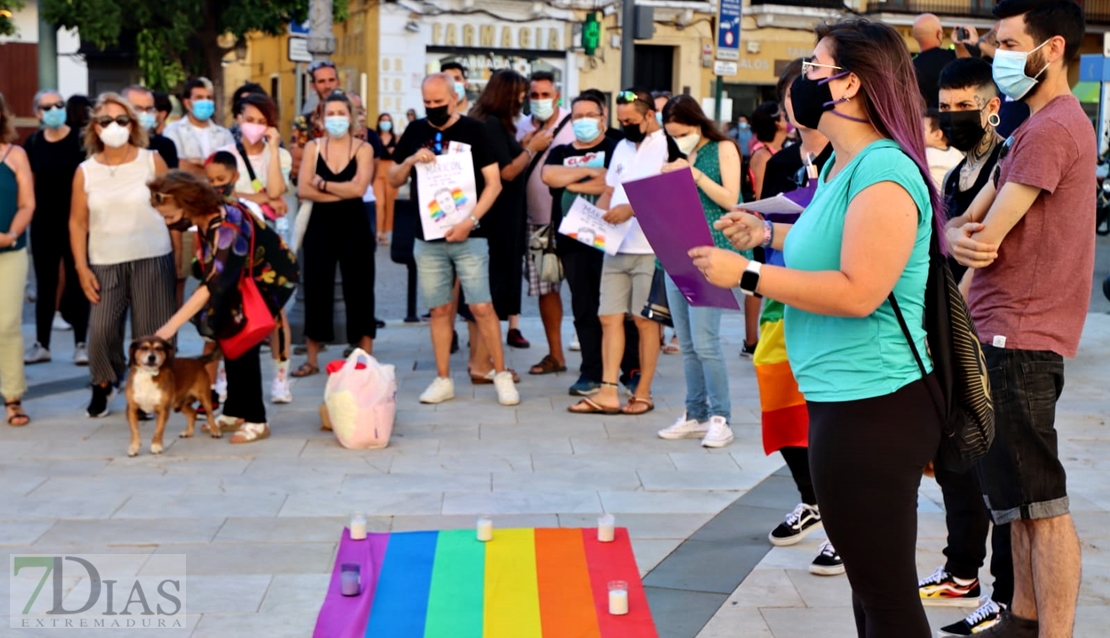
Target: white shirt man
{"x": 196, "y": 136}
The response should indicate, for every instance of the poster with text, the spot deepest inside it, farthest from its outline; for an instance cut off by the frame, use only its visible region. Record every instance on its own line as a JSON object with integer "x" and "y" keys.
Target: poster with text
{"x": 447, "y": 193}
{"x": 584, "y": 223}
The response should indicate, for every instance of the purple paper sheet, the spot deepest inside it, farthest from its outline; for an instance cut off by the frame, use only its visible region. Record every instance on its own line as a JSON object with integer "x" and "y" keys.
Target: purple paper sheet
{"x": 670, "y": 214}
{"x": 346, "y": 616}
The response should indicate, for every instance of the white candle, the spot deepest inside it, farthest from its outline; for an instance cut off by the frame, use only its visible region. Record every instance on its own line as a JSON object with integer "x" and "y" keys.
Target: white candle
{"x": 606, "y": 530}
{"x": 358, "y": 527}
{"x": 485, "y": 529}
{"x": 618, "y": 602}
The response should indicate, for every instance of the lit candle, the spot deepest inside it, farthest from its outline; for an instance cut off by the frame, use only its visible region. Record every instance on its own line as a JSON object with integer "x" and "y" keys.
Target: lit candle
{"x": 618, "y": 598}
{"x": 358, "y": 527}
{"x": 485, "y": 529}
{"x": 349, "y": 579}
{"x": 605, "y": 528}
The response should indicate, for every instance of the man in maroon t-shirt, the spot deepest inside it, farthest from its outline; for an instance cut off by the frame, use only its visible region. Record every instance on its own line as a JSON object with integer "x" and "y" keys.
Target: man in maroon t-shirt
{"x": 1027, "y": 235}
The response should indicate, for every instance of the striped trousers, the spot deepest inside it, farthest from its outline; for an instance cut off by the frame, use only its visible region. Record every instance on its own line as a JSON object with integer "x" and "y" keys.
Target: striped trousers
{"x": 146, "y": 288}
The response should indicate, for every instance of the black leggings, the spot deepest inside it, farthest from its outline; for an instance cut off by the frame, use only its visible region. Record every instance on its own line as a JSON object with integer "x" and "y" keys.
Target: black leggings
{"x": 49, "y": 248}
{"x": 867, "y": 457}
{"x": 797, "y": 459}
{"x": 244, "y": 387}
{"x": 338, "y": 233}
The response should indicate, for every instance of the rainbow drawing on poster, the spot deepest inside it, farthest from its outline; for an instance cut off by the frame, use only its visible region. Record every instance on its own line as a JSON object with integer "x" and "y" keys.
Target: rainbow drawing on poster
{"x": 436, "y": 208}
{"x": 583, "y": 235}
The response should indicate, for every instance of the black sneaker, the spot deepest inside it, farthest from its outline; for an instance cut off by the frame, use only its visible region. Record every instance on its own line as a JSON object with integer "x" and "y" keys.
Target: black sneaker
{"x": 631, "y": 382}
{"x": 941, "y": 589}
{"x": 101, "y": 397}
{"x": 516, "y": 340}
{"x": 828, "y": 562}
{"x": 379, "y": 323}
{"x": 985, "y": 617}
{"x": 803, "y": 520}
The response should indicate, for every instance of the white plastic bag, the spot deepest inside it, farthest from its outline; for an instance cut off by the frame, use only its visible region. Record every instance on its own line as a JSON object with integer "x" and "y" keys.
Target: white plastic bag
{"x": 362, "y": 403}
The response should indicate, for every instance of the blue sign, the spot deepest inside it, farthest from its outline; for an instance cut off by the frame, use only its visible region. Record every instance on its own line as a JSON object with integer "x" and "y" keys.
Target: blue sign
{"x": 299, "y": 28}
{"x": 728, "y": 30}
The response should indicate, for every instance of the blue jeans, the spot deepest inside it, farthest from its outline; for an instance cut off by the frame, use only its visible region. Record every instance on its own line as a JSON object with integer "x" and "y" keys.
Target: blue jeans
{"x": 439, "y": 262}
{"x": 699, "y": 335}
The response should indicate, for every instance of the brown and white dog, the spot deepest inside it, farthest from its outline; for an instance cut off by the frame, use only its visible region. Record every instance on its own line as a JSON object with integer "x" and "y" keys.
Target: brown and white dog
{"x": 160, "y": 382}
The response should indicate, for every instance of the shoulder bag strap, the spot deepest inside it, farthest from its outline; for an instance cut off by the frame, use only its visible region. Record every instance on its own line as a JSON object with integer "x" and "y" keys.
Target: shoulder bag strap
{"x": 247, "y": 162}
{"x": 536, "y": 159}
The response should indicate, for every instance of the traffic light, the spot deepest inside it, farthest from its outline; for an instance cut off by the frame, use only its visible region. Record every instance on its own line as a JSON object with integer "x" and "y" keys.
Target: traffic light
{"x": 591, "y": 33}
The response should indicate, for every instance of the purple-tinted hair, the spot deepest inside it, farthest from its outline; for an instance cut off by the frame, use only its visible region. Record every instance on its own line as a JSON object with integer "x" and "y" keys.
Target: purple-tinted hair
{"x": 878, "y": 56}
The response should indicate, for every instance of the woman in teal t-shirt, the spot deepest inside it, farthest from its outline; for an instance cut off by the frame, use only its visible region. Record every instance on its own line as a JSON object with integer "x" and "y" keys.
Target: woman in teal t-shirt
{"x": 873, "y": 424}
{"x": 715, "y": 163}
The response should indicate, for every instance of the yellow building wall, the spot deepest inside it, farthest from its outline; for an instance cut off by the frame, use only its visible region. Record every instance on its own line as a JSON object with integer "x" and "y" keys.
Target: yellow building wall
{"x": 269, "y": 56}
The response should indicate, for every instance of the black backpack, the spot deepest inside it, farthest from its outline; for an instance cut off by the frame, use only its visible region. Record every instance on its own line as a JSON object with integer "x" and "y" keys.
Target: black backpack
{"x": 965, "y": 404}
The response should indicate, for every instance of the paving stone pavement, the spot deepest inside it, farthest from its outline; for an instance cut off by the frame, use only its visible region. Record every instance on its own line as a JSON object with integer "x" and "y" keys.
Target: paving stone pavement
{"x": 260, "y": 523}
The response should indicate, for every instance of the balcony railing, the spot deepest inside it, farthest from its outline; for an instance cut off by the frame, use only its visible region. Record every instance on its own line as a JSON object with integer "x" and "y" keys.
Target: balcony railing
{"x": 817, "y": 4}
{"x": 1098, "y": 11}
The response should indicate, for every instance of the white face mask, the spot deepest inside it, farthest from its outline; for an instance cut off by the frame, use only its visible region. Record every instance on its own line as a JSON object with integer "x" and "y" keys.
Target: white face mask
{"x": 114, "y": 135}
{"x": 687, "y": 143}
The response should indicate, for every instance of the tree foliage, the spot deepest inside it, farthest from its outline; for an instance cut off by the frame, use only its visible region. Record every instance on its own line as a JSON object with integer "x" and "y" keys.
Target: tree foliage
{"x": 176, "y": 38}
{"x": 7, "y": 8}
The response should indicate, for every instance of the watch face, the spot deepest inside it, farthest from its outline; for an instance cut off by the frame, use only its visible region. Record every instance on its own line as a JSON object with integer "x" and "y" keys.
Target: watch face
{"x": 749, "y": 281}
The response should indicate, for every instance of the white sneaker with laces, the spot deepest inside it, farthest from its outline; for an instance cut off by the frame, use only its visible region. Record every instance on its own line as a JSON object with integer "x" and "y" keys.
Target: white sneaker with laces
{"x": 280, "y": 392}
{"x": 719, "y": 435}
{"x": 506, "y": 390}
{"x": 61, "y": 325}
{"x": 81, "y": 355}
{"x": 36, "y": 354}
{"x": 684, "y": 428}
{"x": 442, "y": 389}
{"x": 575, "y": 345}
{"x": 221, "y": 384}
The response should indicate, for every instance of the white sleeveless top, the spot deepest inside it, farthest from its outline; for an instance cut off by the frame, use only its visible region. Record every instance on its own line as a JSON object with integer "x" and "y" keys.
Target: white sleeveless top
{"x": 123, "y": 226}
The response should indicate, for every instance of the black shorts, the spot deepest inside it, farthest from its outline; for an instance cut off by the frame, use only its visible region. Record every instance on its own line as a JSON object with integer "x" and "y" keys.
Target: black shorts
{"x": 1022, "y": 475}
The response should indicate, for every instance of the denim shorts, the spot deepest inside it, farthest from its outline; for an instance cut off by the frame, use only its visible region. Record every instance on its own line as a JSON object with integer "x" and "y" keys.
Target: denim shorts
{"x": 1021, "y": 474}
{"x": 439, "y": 262}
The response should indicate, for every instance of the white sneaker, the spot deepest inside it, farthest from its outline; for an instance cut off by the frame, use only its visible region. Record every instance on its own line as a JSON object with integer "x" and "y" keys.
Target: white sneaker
{"x": 719, "y": 434}
{"x": 221, "y": 384}
{"x": 60, "y": 324}
{"x": 575, "y": 345}
{"x": 684, "y": 428}
{"x": 280, "y": 391}
{"x": 81, "y": 355}
{"x": 442, "y": 389}
{"x": 506, "y": 389}
{"x": 36, "y": 354}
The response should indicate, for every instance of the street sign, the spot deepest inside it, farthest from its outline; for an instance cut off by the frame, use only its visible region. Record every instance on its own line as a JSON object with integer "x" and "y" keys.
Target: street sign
{"x": 1094, "y": 68}
{"x": 728, "y": 29}
{"x": 299, "y": 28}
{"x": 298, "y": 50}
{"x": 724, "y": 69}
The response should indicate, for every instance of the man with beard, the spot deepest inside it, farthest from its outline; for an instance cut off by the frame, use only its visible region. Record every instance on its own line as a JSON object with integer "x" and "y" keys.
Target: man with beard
{"x": 1029, "y": 300}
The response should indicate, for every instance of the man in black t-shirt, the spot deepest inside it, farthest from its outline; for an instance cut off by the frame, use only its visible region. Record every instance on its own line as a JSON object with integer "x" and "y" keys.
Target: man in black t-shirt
{"x": 464, "y": 252}
{"x": 929, "y": 34}
{"x": 142, "y": 100}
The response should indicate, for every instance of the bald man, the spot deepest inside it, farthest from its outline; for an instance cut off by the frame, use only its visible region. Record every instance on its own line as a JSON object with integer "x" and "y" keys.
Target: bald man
{"x": 929, "y": 33}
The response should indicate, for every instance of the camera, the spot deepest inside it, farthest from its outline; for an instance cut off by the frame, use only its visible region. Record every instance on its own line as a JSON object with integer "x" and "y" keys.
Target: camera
{"x": 962, "y": 34}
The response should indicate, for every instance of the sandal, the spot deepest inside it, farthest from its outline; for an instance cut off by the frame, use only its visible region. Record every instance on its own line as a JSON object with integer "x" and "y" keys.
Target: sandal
{"x": 16, "y": 416}
{"x": 672, "y": 347}
{"x": 588, "y": 406}
{"x": 225, "y": 424}
{"x": 548, "y": 365}
{"x": 251, "y": 432}
{"x": 487, "y": 378}
{"x": 306, "y": 370}
{"x": 633, "y": 401}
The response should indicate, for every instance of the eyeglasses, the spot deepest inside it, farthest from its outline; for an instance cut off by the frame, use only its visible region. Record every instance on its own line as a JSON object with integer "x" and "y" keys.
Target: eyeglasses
{"x": 1006, "y": 146}
{"x": 157, "y": 199}
{"x": 808, "y": 64}
{"x": 106, "y": 120}
{"x": 50, "y": 107}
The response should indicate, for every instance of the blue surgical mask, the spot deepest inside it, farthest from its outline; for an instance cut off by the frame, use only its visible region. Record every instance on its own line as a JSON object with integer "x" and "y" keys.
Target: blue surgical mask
{"x": 337, "y": 125}
{"x": 54, "y": 118}
{"x": 386, "y": 126}
{"x": 460, "y": 91}
{"x": 659, "y": 117}
{"x": 586, "y": 129}
{"x": 148, "y": 121}
{"x": 203, "y": 109}
{"x": 542, "y": 110}
{"x": 1009, "y": 72}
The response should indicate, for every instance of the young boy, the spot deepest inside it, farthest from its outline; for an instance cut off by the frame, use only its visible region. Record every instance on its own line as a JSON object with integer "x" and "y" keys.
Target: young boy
{"x": 222, "y": 172}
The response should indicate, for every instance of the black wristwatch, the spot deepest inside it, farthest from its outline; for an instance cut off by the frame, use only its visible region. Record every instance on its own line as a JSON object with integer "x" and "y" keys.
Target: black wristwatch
{"x": 749, "y": 281}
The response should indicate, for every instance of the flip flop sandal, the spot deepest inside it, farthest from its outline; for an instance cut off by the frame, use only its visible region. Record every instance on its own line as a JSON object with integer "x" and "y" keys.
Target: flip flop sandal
{"x": 306, "y": 370}
{"x": 15, "y": 413}
{"x": 547, "y": 365}
{"x": 672, "y": 348}
{"x": 591, "y": 408}
{"x": 251, "y": 432}
{"x": 633, "y": 401}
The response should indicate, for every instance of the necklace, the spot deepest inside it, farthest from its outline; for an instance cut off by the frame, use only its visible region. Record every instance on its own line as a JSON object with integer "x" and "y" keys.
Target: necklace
{"x": 112, "y": 168}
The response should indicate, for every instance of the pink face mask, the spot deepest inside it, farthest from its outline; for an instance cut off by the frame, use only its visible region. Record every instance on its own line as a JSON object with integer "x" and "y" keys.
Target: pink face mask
{"x": 252, "y": 132}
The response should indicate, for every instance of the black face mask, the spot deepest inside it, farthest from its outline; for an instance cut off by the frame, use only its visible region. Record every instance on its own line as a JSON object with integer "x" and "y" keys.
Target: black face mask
{"x": 224, "y": 191}
{"x": 964, "y": 129}
{"x": 810, "y": 99}
{"x": 634, "y": 132}
{"x": 182, "y": 224}
{"x": 438, "y": 115}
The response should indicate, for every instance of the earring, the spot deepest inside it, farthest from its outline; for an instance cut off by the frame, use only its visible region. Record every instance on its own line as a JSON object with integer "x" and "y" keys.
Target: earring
{"x": 994, "y": 120}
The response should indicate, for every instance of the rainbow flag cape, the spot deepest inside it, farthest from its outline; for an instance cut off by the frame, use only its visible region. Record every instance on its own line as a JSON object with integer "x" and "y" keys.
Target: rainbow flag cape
{"x": 525, "y": 583}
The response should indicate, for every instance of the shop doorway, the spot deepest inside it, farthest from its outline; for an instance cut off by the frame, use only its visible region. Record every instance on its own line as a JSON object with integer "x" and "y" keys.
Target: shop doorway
{"x": 654, "y": 67}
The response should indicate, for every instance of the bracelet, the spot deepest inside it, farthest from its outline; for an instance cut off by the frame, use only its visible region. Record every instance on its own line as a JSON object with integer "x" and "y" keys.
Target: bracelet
{"x": 531, "y": 153}
{"x": 768, "y": 233}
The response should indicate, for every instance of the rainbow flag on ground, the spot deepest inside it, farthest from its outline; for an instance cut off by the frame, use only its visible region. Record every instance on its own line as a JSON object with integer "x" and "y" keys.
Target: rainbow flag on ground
{"x": 525, "y": 583}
